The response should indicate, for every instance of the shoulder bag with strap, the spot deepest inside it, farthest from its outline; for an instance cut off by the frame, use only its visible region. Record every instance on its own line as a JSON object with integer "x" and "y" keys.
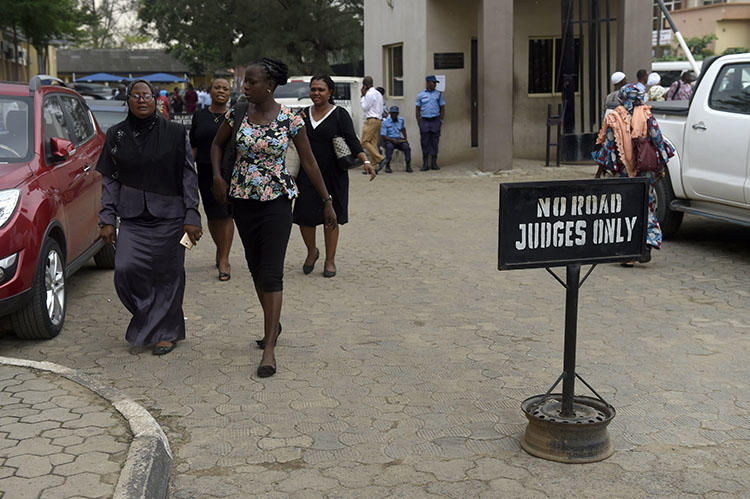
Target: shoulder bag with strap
{"x": 229, "y": 158}
{"x": 344, "y": 157}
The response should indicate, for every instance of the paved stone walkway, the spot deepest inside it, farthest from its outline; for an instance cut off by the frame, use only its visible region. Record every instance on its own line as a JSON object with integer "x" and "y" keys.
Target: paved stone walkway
{"x": 57, "y": 439}
{"x": 403, "y": 375}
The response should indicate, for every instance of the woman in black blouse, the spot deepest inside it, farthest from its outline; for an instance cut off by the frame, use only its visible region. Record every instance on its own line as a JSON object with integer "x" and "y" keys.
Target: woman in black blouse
{"x": 323, "y": 121}
{"x": 206, "y": 122}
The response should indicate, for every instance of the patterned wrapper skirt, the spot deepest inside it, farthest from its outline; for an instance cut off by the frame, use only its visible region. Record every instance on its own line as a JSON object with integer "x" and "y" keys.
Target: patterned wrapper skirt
{"x": 150, "y": 278}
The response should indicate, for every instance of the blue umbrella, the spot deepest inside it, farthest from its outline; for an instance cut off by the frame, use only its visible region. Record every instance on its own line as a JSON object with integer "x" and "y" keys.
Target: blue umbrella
{"x": 161, "y": 78}
{"x": 102, "y": 77}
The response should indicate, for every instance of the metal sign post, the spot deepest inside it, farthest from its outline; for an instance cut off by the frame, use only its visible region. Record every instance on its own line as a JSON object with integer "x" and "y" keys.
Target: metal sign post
{"x": 547, "y": 224}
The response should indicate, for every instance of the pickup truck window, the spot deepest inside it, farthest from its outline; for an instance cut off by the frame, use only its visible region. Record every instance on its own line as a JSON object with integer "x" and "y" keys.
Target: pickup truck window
{"x": 731, "y": 90}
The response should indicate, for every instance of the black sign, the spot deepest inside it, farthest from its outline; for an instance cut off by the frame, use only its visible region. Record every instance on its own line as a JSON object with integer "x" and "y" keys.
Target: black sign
{"x": 185, "y": 119}
{"x": 550, "y": 224}
{"x": 449, "y": 60}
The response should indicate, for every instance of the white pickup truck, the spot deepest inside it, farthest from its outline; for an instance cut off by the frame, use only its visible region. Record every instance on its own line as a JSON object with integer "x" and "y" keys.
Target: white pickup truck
{"x": 710, "y": 172}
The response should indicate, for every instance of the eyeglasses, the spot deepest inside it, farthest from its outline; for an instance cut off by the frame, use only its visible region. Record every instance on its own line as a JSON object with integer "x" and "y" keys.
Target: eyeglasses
{"x": 145, "y": 97}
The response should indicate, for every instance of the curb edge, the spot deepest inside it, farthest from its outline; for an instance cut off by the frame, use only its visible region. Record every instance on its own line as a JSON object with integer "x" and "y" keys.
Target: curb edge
{"x": 146, "y": 471}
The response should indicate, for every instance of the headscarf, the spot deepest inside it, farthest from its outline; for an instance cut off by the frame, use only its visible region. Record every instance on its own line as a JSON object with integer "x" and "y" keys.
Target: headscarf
{"x": 139, "y": 127}
{"x": 630, "y": 97}
{"x": 145, "y": 153}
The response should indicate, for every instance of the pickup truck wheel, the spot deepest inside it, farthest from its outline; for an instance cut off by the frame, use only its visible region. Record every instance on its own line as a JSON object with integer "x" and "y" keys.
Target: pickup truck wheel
{"x": 43, "y": 317}
{"x": 669, "y": 219}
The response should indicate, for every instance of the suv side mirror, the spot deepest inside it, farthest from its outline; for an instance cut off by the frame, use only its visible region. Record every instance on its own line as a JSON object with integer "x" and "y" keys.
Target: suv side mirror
{"x": 61, "y": 148}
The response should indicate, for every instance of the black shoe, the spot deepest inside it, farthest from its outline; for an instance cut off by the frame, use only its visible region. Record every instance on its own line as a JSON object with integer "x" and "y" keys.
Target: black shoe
{"x": 408, "y": 167}
{"x": 388, "y": 168}
{"x": 309, "y": 268}
{"x": 163, "y": 350}
{"x": 434, "y": 163}
{"x": 266, "y": 371}
{"x": 424, "y": 168}
{"x": 380, "y": 166}
{"x": 329, "y": 273}
{"x": 262, "y": 343}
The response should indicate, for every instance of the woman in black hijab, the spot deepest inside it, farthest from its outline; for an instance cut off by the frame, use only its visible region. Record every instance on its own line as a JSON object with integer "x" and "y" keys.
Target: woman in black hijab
{"x": 149, "y": 181}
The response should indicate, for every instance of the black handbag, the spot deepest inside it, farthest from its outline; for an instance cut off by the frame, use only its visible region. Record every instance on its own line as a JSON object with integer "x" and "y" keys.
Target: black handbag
{"x": 344, "y": 157}
{"x": 229, "y": 158}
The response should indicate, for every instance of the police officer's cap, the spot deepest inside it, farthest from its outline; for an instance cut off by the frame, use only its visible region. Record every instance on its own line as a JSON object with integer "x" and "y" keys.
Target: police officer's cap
{"x": 393, "y": 109}
{"x": 431, "y": 78}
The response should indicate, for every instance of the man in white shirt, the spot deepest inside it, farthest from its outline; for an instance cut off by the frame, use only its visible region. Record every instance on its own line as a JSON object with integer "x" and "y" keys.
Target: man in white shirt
{"x": 372, "y": 105}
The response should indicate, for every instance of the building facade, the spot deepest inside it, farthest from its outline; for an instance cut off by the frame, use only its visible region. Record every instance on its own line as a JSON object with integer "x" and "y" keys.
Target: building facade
{"x": 503, "y": 62}
{"x": 727, "y": 20}
{"x": 19, "y": 59}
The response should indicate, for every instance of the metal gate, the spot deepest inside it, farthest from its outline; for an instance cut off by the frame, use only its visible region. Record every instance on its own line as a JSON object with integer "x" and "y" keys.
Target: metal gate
{"x": 587, "y": 60}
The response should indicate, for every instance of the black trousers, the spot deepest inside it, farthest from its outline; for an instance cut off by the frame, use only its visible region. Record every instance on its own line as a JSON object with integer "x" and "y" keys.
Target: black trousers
{"x": 264, "y": 228}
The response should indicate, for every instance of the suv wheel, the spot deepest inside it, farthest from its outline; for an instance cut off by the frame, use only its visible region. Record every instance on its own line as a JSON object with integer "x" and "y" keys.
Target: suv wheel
{"x": 43, "y": 317}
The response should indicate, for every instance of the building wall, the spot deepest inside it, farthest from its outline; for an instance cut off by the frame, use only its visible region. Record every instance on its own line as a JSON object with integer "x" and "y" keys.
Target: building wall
{"x": 530, "y": 112}
{"x": 729, "y": 22}
{"x": 404, "y": 23}
{"x": 451, "y": 26}
{"x": 509, "y": 118}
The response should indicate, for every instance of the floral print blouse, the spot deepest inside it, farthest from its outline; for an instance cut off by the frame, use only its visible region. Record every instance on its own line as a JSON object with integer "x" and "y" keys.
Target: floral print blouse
{"x": 260, "y": 171}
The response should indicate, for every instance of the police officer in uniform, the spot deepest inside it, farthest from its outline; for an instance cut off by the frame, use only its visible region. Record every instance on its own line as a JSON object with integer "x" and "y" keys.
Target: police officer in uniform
{"x": 430, "y": 114}
{"x": 393, "y": 133}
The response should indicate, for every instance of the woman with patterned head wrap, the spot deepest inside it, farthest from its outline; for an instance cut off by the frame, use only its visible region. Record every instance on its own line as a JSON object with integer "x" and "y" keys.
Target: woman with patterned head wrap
{"x": 629, "y": 121}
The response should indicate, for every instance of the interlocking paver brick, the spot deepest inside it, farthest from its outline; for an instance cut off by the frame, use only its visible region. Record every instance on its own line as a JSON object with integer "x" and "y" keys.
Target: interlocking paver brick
{"x": 36, "y": 452}
{"x": 29, "y": 466}
{"x": 419, "y": 353}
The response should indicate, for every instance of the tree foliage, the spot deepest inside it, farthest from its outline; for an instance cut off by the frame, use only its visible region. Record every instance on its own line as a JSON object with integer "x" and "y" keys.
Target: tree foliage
{"x": 305, "y": 34}
{"x": 698, "y": 45}
{"x": 42, "y": 21}
{"x": 105, "y": 23}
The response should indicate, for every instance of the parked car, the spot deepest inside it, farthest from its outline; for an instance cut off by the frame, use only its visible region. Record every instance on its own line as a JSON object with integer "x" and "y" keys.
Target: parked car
{"x": 710, "y": 172}
{"x": 94, "y": 91}
{"x": 49, "y": 201}
{"x": 108, "y": 112}
{"x": 296, "y": 95}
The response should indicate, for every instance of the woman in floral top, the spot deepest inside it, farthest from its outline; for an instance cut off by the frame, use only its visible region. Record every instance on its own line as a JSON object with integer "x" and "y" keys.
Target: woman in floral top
{"x": 261, "y": 189}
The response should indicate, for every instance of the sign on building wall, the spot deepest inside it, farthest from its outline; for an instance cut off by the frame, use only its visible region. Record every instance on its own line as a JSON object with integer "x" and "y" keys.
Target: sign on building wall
{"x": 448, "y": 60}
{"x": 549, "y": 224}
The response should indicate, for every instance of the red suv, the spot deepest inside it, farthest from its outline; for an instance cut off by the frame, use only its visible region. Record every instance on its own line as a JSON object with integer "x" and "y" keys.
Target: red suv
{"x": 49, "y": 201}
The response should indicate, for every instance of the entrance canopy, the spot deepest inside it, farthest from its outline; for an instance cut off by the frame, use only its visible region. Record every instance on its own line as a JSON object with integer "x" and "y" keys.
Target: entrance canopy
{"x": 161, "y": 77}
{"x": 101, "y": 77}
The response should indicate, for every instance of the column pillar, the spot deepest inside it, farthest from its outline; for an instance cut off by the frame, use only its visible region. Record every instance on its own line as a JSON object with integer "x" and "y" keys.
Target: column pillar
{"x": 634, "y": 28}
{"x": 495, "y": 28}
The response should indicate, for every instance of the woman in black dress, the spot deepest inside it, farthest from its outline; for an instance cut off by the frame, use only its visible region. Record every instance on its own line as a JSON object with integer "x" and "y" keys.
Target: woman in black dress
{"x": 148, "y": 180}
{"x": 206, "y": 123}
{"x": 323, "y": 121}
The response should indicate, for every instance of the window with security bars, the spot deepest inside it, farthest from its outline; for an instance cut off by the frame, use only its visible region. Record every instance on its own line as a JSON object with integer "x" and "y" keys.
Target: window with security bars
{"x": 545, "y": 56}
{"x": 394, "y": 59}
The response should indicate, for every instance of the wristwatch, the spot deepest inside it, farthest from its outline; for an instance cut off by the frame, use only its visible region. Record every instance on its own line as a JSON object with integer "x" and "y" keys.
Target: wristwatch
{"x": 329, "y": 198}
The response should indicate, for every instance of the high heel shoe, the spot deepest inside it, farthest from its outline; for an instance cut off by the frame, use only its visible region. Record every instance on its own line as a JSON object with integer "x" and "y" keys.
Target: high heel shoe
{"x": 262, "y": 343}
{"x": 309, "y": 268}
{"x": 266, "y": 371}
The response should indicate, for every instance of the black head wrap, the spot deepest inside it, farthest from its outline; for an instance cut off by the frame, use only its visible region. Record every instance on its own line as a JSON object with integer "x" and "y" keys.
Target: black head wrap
{"x": 145, "y": 153}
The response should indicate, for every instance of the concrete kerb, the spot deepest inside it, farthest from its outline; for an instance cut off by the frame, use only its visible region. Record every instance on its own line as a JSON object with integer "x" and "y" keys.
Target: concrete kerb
{"x": 145, "y": 473}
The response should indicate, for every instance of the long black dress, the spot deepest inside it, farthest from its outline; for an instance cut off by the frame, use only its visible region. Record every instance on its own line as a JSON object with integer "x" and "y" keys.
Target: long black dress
{"x": 308, "y": 208}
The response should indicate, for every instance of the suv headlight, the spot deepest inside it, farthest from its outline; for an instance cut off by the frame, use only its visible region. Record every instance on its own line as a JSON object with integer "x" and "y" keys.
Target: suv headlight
{"x": 8, "y": 203}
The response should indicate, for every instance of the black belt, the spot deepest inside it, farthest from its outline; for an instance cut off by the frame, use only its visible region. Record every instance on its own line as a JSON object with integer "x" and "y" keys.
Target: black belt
{"x": 373, "y": 118}
{"x": 432, "y": 118}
